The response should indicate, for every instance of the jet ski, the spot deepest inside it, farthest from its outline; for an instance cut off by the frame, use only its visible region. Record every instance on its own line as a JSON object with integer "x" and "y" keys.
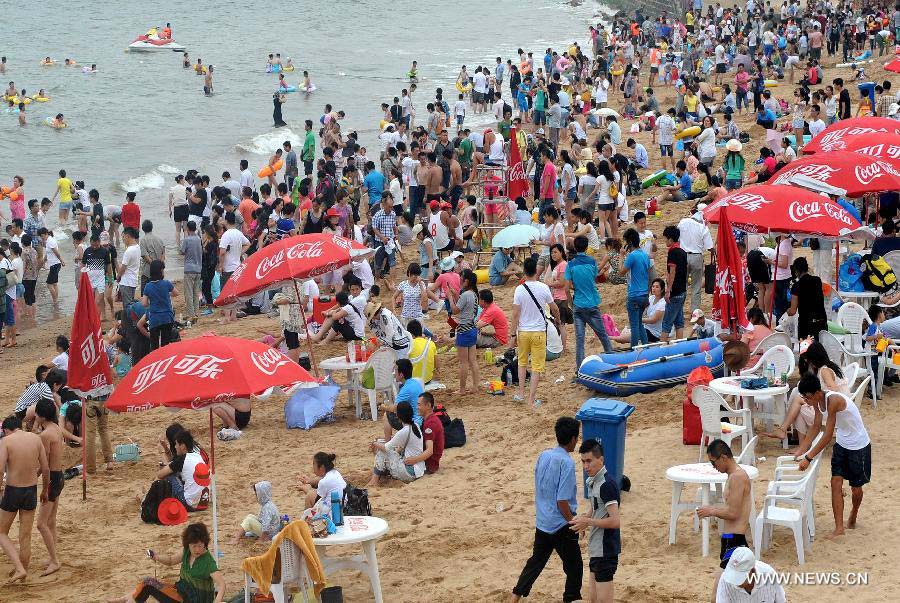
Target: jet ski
{"x": 152, "y": 43}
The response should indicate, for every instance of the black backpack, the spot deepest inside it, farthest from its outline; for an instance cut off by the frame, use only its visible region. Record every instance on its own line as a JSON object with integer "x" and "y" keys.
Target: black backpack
{"x": 159, "y": 490}
{"x": 454, "y": 429}
{"x": 356, "y": 501}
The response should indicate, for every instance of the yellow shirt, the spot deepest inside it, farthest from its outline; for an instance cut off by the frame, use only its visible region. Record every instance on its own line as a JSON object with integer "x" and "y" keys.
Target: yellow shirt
{"x": 690, "y": 103}
{"x": 689, "y": 18}
{"x": 422, "y": 356}
{"x": 64, "y": 186}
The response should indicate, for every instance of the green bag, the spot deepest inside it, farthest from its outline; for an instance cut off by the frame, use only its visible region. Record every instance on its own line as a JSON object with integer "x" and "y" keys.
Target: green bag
{"x": 367, "y": 378}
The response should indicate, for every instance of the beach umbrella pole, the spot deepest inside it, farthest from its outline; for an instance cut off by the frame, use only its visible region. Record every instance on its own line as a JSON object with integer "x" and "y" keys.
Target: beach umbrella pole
{"x": 83, "y": 450}
{"x": 212, "y": 485}
{"x": 312, "y": 357}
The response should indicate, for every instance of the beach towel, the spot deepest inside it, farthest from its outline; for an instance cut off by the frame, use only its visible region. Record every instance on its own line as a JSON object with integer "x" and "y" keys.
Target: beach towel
{"x": 260, "y": 568}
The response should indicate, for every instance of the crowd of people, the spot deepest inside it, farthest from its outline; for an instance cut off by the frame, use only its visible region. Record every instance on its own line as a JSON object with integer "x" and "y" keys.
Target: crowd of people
{"x": 430, "y": 203}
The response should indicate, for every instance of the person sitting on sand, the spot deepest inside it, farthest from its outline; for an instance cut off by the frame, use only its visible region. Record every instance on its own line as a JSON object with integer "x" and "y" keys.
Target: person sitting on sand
{"x": 851, "y": 455}
{"x": 198, "y": 580}
{"x": 187, "y": 479}
{"x": 324, "y": 480}
{"x": 46, "y": 385}
{"x": 390, "y": 455}
{"x": 423, "y": 352}
{"x": 813, "y": 361}
{"x": 345, "y": 319}
{"x": 266, "y": 524}
{"x": 235, "y": 414}
{"x": 408, "y": 390}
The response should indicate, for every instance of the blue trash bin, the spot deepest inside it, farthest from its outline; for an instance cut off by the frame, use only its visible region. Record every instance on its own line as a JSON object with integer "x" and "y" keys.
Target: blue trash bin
{"x": 604, "y": 419}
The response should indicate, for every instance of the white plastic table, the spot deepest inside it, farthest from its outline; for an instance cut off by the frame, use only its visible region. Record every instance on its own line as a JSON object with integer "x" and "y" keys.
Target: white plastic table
{"x": 706, "y": 476}
{"x": 353, "y": 384}
{"x": 863, "y": 298}
{"x": 356, "y": 530}
{"x": 731, "y": 386}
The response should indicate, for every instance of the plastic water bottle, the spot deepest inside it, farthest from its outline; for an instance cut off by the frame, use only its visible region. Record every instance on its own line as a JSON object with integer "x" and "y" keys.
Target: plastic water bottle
{"x": 770, "y": 373}
{"x": 337, "y": 513}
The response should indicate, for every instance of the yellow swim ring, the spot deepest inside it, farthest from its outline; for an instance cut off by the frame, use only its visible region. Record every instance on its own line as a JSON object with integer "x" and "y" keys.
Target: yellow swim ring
{"x": 771, "y": 83}
{"x": 41, "y": 99}
{"x": 462, "y": 88}
{"x": 288, "y": 69}
{"x": 47, "y": 64}
{"x": 692, "y": 131}
{"x": 617, "y": 71}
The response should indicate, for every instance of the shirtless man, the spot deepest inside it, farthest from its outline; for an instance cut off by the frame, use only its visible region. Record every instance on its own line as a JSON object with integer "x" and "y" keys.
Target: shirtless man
{"x": 24, "y": 458}
{"x": 454, "y": 191}
{"x": 736, "y": 510}
{"x": 433, "y": 178}
{"x": 52, "y": 435}
{"x": 208, "y": 82}
{"x": 851, "y": 456}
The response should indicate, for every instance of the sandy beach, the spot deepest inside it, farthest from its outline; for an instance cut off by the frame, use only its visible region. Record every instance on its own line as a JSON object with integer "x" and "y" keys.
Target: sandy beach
{"x": 464, "y": 533}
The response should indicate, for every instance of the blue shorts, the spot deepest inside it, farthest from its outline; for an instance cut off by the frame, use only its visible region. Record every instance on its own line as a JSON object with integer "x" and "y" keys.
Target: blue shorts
{"x": 10, "y": 318}
{"x": 665, "y": 150}
{"x": 459, "y": 119}
{"x": 540, "y": 118}
{"x": 65, "y": 205}
{"x": 467, "y": 339}
{"x": 674, "y": 314}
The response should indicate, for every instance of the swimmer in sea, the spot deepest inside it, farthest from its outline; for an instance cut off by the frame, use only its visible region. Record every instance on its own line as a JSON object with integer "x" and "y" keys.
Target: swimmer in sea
{"x": 307, "y": 84}
{"x": 93, "y": 68}
{"x": 2, "y": 65}
{"x": 41, "y": 94}
{"x": 413, "y": 72}
{"x": 277, "y": 59}
{"x": 186, "y": 61}
{"x": 11, "y": 90}
{"x": 71, "y": 63}
{"x": 11, "y": 107}
{"x": 21, "y": 114}
{"x": 281, "y": 81}
{"x": 199, "y": 68}
{"x": 208, "y": 82}
{"x": 270, "y": 62}
{"x": 47, "y": 61}
{"x": 58, "y": 122}
{"x": 289, "y": 66}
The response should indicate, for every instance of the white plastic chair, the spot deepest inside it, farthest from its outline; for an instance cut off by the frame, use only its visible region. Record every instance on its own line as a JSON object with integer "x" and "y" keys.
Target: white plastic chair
{"x": 748, "y": 453}
{"x": 710, "y": 404}
{"x": 293, "y": 572}
{"x": 382, "y": 361}
{"x": 851, "y": 374}
{"x": 770, "y": 341}
{"x": 787, "y": 476}
{"x": 779, "y": 355}
{"x": 854, "y": 318}
{"x": 747, "y": 457}
{"x": 792, "y": 513}
{"x": 840, "y": 355}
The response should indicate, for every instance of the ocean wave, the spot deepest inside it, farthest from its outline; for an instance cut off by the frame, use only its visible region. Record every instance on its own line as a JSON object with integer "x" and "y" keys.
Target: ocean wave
{"x": 264, "y": 144}
{"x": 154, "y": 179}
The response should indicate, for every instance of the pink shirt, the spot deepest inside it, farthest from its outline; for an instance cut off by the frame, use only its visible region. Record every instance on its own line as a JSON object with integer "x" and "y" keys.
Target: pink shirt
{"x": 548, "y": 181}
{"x": 447, "y": 281}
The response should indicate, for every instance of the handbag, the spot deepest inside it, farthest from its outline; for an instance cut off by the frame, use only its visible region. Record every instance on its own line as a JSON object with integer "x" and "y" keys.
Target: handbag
{"x": 127, "y": 452}
{"x": 709, "y": 278}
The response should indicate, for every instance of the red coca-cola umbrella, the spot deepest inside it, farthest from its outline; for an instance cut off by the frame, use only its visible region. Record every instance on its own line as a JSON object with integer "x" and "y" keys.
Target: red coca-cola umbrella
{"x": 893, "y": 66}
{"x": 294, "y": 258}
{"x": 89, "y": 374}
{"x": 728, "y": 297}
{"x": 881, "y": 145}
{"x": 518, "y": 181}
{"x": 832, "y": 137}
{"x": 856, "y": 173}
{"x": 772, "y": 208}
{"x": 199, "y": 373}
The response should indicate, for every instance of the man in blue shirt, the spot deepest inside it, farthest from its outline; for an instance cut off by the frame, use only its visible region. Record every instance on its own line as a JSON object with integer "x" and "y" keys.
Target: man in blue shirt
{"x": 765, "y": 118}
{"x": 555, "y": 505}
{"x": 637, "y": 266}
{"x": 500, "y": 272}
{"x": 409, "y": 391}
{"x": 373, "y": 183}
{"x": 681, "y": 190}
{"x": 641, "y": 158}
{"x": 581, "y": 275}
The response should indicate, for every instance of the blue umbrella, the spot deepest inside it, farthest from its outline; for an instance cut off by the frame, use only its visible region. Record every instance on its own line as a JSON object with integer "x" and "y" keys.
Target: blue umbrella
{"x": 308, "y": 406}
{"x": 517, "y": 235}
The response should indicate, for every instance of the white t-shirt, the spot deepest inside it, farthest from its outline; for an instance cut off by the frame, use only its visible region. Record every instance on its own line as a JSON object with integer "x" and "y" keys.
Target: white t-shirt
{"x": 331, "y": 482}
{"x": 311, "y": 291}
{"x": 363, "y": 271}
{"x": 479, "y": 82}
{"x": 406, "y": 103}
{"x": 496, "y": 154}
{"x": 178, "y": 195}
{"x": 532, "y": 318}
{"x": 656, "y": 305}
{"x": 554, "y": 341}
{"x": 459, "y": 107}
{"x": 407, "y": 444}
{"x": 409, "y": 167}
{"x": 646, "y": 238}
{"x": 131, "y": 260}
{"x": 192, "y": 490}
{"x": 232, "y": 242}
{"x": 51, "y": 245}
{"x": 354, "y": 316}
{"x": 720, "y": 54}
{"x": 62, "y": 361}
{"x": 477, "y": 139}
{"x": 6, "y": 266}
{"x": 246, "y": 178}
{"x": 816, "y": 127}
{"x": 600, "y": 91}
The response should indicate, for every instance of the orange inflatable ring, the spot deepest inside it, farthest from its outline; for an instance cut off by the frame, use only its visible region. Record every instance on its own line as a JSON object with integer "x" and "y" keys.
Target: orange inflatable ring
{"x": 270, "y": 170}
{"x": 524, "y": 67}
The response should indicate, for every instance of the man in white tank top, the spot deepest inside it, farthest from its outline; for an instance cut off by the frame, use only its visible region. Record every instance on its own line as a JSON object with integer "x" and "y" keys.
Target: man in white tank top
{"x": 852, "y": 452}
{"x": 437, "y": 227}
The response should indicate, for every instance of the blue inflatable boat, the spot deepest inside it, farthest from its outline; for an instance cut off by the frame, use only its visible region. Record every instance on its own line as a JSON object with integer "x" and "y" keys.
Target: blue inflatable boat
{"x": 648, "y": 369}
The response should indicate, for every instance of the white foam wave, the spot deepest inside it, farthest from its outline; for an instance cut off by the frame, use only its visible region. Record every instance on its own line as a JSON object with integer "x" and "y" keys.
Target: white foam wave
{"x": 154, "y": 179}
{"x": 264, "y": 144}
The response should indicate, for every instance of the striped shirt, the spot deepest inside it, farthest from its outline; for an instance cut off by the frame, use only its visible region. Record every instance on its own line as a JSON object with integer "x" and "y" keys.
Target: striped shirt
{"x": 31, "y": 395}
{"x": 763, "y": 590}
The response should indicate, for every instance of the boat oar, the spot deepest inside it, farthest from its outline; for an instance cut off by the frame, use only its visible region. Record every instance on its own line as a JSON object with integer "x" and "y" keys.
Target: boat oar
{"x": 642, "y": 363}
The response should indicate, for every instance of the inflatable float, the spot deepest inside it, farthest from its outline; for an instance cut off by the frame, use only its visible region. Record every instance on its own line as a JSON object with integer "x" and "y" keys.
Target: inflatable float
{"x": 771, "y": 83}
{"x": 287, "y": 68}
{"x": 49, "y": 123}
{"x": 855, "y": 63}
{"x": 482, "y": 275}
{"x": 41, "y": 99}
{"x": 270, "y": 170}
{"x": 312, "y": 88}
{"x": 463, "y": 89}
{"x": 273, "y": 68}
{"x": 617, "y": 71}
{"x": 648, "y": 369}
{"x": 688, "y": 132}
{"x": 653, "y": 179}
{"x": 286, "y": 89}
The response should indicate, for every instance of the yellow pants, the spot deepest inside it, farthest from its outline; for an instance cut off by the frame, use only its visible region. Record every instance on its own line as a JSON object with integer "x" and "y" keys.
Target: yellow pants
{"x": 535, "y": 344}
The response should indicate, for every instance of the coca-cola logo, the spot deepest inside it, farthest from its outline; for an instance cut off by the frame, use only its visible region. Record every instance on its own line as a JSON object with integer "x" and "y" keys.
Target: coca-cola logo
{"x": 300, "y": 251}
{"x": 868, "y": 173}
{"x": 748, "y": 201}
{"x": 833, "y": 141}
{"x": 269, "y": 361}
{"x": 800, "y": 212}
{"x": 517, "y": 172}
{"x": 198, "y": 402}
{"x": 816, "y": 171}
{"x": 723, "y": 282}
